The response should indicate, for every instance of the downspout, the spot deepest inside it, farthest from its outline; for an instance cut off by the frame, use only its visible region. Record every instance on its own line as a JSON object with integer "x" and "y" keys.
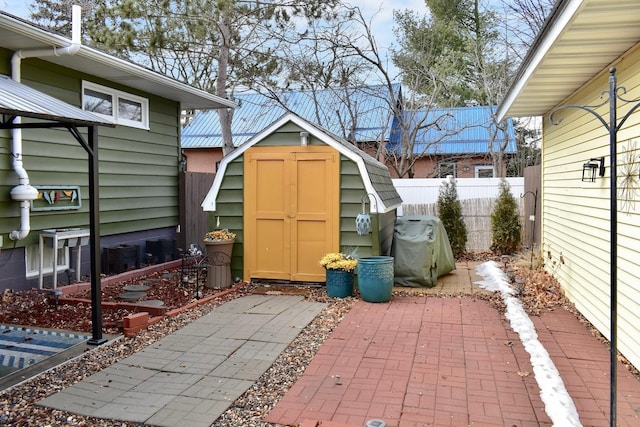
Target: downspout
{"x": 24, "y": 192}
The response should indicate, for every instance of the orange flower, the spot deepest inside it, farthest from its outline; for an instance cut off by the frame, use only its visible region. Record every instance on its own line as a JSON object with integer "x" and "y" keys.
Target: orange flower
{"x": 219, "y": 234}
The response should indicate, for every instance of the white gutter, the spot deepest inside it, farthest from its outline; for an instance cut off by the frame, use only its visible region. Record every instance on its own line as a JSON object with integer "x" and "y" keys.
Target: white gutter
{"x": 24, "y": 192}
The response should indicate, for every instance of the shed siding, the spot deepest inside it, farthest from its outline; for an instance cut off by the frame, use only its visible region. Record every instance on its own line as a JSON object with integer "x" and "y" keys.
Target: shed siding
{"x": 138, "y": 168}
{"x": 230, "y": 211}
{"x": 229, "y": 207}
{"x": 576, "y": 216}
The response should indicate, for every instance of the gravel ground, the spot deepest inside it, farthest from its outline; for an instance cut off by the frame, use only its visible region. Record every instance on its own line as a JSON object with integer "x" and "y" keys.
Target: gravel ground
{"x": 18, "y": 404}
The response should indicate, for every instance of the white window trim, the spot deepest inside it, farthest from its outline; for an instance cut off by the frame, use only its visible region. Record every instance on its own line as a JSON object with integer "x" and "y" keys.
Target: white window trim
{"x": 32, "y": 264}
{"x": 116, "y": 95}
{"x": 478, "y": 168}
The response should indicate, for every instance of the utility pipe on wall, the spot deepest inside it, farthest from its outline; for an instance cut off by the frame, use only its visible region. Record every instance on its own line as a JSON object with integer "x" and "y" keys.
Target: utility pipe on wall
{"x": 24, "y": 192}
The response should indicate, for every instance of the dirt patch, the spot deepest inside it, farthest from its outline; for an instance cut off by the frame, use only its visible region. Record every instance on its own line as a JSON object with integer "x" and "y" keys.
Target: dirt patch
{"x": 281, "y": 290}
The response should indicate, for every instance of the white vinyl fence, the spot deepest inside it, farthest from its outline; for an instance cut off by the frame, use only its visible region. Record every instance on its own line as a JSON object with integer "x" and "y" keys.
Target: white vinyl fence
{"x": 477, "y": 197}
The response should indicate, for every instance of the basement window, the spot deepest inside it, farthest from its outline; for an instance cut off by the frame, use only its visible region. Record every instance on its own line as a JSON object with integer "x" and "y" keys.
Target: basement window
{"x": 120, "y": 107}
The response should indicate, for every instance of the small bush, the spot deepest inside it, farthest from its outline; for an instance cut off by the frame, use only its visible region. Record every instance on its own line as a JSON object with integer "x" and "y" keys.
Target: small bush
{"x": 450, "y": 213}
{"x": 505, "y": 223}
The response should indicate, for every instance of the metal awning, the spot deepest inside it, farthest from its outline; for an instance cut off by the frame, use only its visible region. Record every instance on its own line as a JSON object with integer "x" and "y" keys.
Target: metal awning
{"x": 17, "y": 99}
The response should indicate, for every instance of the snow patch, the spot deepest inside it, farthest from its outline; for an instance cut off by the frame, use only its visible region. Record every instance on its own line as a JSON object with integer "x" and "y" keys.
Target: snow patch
{"x": 558, "y": 403}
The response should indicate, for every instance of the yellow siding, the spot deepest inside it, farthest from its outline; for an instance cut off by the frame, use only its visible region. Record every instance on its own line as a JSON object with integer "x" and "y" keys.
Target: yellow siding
{"x": 576, "y": 214}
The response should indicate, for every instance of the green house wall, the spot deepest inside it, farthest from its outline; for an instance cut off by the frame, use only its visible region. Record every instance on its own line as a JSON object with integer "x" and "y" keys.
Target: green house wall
{"x": 230, "y": 207}
{"x": 138, "y": 168}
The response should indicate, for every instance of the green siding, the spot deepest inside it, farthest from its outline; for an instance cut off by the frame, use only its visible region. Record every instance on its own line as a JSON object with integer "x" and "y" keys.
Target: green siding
{"x": 230, "y": 211}
{"x": 230, "y": 207}
{"x": 352, "y": 190}
{"x": 138, "y": 168}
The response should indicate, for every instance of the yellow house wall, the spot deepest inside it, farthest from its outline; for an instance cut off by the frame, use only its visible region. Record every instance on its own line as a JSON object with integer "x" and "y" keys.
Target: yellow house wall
{"x": 576, "y": 214}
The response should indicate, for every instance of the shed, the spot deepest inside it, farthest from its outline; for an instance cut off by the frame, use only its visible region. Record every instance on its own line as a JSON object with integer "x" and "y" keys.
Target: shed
{"x": 292, "y": 193}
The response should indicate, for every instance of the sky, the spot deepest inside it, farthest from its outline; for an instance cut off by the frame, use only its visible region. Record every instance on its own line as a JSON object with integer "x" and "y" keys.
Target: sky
{"x": 383, "y": 18}
{"x": 15, "y": 7}
{"x": 381, "y": 13}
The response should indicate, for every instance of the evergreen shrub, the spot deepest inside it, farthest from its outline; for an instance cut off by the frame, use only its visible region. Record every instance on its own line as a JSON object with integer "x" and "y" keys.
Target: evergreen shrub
{"x": 505, "y": 223}
{"x": 450, "y": 213}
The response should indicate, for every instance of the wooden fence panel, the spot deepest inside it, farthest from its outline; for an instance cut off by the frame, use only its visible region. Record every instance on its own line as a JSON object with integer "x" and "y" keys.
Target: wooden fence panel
{"x": 477, "y": 199}
{"x": 477, "y": 218}
{"x": 532, "y": 206}
{"x": 194, "y": 221}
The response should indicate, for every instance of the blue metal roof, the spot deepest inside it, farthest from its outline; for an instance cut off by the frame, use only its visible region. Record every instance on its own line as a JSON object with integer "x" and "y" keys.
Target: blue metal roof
{"x": 463, "y": 130}
{"x": 369, "y": 105}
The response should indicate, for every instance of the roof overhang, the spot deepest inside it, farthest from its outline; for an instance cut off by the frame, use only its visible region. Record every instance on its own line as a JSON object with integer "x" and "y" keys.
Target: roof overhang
{"x": 580, "y": 38}
{"x": 17, "y": 34}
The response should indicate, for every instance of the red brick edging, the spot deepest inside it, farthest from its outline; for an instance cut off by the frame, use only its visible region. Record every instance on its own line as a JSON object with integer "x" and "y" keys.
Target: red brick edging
{"x": 134, "y": 323}
{"x": 145, "y": 315}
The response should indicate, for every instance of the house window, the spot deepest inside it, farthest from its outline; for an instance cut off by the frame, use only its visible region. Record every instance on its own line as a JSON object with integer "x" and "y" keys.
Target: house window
{"x": 483, "y": 171}
{"x": 32, "y": 261}
{"x": 447, "y": 168}
{"x": 121, "y": 107}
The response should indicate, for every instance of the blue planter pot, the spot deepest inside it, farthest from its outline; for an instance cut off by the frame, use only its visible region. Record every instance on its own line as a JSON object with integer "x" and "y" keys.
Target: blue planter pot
{"x": 375, "y": 278}
{"x": 339, "y": 283}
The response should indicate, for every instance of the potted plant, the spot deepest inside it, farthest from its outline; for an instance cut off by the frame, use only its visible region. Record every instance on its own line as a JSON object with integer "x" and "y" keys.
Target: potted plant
{"x": 339, "y": 272}
{"x": 219, "y": 243}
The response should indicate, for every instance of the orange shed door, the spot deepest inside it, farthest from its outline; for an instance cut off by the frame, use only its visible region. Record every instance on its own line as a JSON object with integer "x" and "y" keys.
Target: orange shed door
{"x": 291, "y": 211}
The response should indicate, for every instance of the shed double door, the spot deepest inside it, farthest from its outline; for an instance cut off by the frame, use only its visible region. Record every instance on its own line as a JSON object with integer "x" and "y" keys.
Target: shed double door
{"x": 291, "y": 211}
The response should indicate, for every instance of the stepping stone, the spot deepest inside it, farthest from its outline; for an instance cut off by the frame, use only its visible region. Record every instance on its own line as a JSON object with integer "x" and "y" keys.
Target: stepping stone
{"x": 136, "y": 288}
{"x": 132, "y": 296}
{"x": 152, "y": 302}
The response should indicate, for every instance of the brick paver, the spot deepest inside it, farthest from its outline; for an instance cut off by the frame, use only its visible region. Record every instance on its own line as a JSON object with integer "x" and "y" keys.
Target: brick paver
{"x": 430, "y": 361}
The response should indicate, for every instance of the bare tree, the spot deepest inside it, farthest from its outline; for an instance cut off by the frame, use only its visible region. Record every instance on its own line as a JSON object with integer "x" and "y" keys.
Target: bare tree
{"x": 525, "y": 18}
{"x": 216, "y": 45}
{"x": 353, "y": 45}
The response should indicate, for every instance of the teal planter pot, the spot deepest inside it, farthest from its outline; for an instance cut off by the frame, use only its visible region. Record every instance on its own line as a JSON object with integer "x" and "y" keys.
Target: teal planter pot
{"x": 339, "y": 283}
{"x": 375, "y": 278}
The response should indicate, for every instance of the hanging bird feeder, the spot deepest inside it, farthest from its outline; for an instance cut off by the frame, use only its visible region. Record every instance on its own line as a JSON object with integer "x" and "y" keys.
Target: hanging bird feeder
{"x": 363, "y": 220}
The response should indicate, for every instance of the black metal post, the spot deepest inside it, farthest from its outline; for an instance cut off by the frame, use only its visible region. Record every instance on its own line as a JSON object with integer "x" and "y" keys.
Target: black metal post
{"x": 94, "y": 238}
{"x": 613, "y": 207}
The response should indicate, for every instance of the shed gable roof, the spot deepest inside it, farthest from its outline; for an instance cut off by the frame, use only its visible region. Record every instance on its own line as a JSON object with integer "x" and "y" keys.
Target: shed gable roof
{"x": 579, "y": 39}
{"x": 463, "y": 130}
{"x": 369, "y": 105}
{"x": 375, "y": 175}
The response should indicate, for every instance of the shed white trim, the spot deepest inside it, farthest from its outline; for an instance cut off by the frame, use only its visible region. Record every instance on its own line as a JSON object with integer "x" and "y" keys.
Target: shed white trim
{"x": 209, "y": 203}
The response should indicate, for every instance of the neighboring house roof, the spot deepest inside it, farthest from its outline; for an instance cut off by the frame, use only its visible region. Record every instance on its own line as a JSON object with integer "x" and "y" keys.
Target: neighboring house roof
{"x": 375, "y": 175}
{"x": 579, "y": 39}
{"x": 17, "y": 99}
{"x": 17, "y": 34}
{"x": 464, "y": 130}
{"x": 370, "y": 105}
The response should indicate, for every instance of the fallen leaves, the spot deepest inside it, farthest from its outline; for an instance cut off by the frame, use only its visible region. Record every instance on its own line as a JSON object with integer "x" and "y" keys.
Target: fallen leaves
{"x": 38, "y": 307}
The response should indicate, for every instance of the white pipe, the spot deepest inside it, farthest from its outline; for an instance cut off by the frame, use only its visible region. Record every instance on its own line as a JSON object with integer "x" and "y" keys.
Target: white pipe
{"x": 24, "y": 191}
